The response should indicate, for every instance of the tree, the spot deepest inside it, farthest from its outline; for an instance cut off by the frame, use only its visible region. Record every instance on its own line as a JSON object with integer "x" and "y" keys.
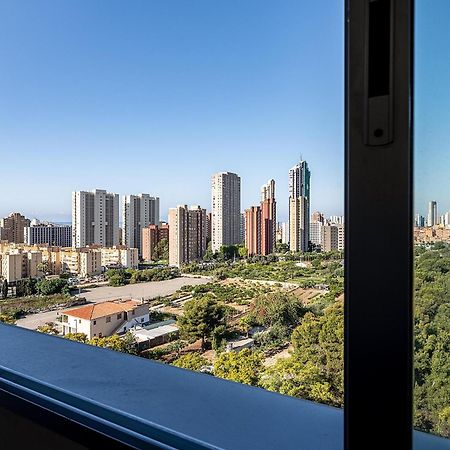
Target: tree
{"x": 125, "y": 344}
{"x": 277, "y": 309}
{"x": 292, "y": 377}
{"x": 243, "y": 251}
{"x": 191, "y": 361}
{"x": 162, "y": 249}
{"x": 200, "y": 317}
{"x": 5, "y": 289}
{"x": 52, "y": 286}
{"x": 243, "y": 367}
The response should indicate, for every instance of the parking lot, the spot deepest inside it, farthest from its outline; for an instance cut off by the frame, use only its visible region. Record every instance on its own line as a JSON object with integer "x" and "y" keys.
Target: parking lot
{"x": 138, "y": 291}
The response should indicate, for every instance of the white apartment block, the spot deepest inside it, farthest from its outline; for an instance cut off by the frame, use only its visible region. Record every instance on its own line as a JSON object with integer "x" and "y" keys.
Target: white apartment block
{"x": 315, "y": 233}
{"x": 48, "y": 233}
{"x": 138, "y": 212}
{"x": 226, "y": 210}
{"x": 95, "y": 218}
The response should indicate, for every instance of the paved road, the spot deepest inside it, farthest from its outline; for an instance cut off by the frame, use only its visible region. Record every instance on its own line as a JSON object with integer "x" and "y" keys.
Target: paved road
{"x": 101, "y": 294}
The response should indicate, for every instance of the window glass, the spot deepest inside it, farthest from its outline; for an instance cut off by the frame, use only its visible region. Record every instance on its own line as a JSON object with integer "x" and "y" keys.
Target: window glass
{"x": 185, "y": 160}
{"x": 432, "y": 219}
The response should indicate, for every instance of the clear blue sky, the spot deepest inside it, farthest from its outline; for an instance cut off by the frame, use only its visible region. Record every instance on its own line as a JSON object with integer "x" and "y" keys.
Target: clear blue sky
{"x": 155, "y": 96}
{"x": 432, "y": 105}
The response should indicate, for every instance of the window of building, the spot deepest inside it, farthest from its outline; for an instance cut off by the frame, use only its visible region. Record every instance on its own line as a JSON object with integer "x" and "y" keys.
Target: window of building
{"x": 108, "y": 319}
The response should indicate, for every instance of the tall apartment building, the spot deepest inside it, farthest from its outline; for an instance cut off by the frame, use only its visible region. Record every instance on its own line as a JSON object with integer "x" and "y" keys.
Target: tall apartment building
{"x": 187, "y": 234}
{"x": 151, "y": 236}
{"x": 48, "y": 233}
{"x": 299, "y": 205}
{"x": 432, "y": 214}
{"x": 242, "y": 229}
{"x": 95, "y": 218}
{"x": 208, "y": 227}
{"x": 226, "y": 210}
{"x": 253, "y": 230}
{"x": 283, "y": 232}
{"x": 138, "y": 211}
{"x": 12, "y": 228}
{"x": 419, "y": 221}
{"x": 268, "y": 218}
{"x": 315, "y": 229}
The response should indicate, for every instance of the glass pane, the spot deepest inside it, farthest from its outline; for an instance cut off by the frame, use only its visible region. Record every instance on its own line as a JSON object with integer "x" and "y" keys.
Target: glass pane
{"x": 432, "y": 220}
{"x": 113, "y": 113}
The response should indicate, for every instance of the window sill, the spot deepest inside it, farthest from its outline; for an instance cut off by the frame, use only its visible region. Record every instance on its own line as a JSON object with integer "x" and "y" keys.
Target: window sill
{"x": 143, "y": 403}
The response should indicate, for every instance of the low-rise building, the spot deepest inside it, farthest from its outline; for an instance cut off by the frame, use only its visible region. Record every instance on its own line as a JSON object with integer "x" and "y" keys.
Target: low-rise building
{"x": 105, "y": 319}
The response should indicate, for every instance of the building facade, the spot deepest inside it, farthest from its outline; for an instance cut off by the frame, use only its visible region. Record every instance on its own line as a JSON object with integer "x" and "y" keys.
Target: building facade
{"x": 253, "y": 230}
{"x": 12, "y": 228}
{"x": 187, "y": 234}
{"x": 138, "y": 212}
{"x": 432, "y": 214}
{"x": 226, "y": 210}
{"x": 299, "y": 207}
{"x": 95, "y": 218}
{"x": 151, "y": 236}
{"x": 268, "y": 218}
{"x": 48, "y": 233}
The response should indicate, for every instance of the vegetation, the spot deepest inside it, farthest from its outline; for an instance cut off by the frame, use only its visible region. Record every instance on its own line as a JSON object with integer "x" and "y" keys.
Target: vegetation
{"x": 122, "y": 277}
{"x": 191, "y": 361}
{"x": 17, "y": 307}
{"x": 243, "y": 367}
{"x": 200, "y": 317}
{"x": 432, "y": 339}
{"x": 124, "y": 344}
{"x": 162, "y": 250}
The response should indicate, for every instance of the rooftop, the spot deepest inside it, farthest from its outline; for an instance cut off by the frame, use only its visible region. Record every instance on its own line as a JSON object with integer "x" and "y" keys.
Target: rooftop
{"x": 97, "y": 310}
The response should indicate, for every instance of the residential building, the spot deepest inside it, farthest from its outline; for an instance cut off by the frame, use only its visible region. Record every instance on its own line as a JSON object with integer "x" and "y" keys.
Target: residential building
{"x": 242, "y": 228}
{"x": 226, "y": 210}
{"x": 187, "y": 234}
{"x": 119, "y": 256}
{"x": 419, "y": 221}
{"x": 138, "y": 212}
{"x": 336, "y": 220}
{"x": 12, "y": 228}
{"x": 17, "y": 264}
{"x": 253, "y": 230}
{"x": 432, "y": 214}
{"x": 332, "y": 237}
{"x": 104, "y": 319}
{"x": 48, "y": 233}
{"x": 268, "y": 218}
{"x": 299, "y": 205}
{"x": 283, "y": 232}
{"x": 208, "y": 227}
{"x": 151, "y": 236}
{"x": 95, "y": 218}
{"x": 315, "y": 229}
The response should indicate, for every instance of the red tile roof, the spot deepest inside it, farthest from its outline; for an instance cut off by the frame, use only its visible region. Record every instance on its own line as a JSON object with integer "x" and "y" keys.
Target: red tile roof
{"x": 97, "y": 310}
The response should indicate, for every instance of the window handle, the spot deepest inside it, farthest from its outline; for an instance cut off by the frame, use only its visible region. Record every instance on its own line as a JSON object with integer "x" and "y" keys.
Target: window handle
{"x": 379, "y": 129}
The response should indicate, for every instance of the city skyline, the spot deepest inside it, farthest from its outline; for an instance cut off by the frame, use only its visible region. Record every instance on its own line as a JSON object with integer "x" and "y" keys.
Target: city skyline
{"x": 180, "y": 93}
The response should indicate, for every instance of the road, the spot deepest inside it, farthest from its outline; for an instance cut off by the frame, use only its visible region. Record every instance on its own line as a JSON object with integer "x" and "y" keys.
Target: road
{"x": 136, "y": 291}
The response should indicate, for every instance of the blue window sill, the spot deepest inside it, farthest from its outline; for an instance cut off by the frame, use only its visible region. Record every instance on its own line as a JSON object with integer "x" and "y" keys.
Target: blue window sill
{"x": 144, "y": 402}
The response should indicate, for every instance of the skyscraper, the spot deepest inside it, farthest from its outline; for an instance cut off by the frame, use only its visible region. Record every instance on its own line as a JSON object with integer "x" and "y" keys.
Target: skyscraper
{"x": 268, "y": 218}
{"x": 226, "y": 210}
{"x": 12, "y": 228}
{"x": 138, "y": 212}
{"x": 315, "y": 229}
{"x": 187, "y": 234}
{"x": 432, "y": 214}
{"x": 299, "y": 206}
{"x": 253, "y": 230}
{"x": 95, "y": 218}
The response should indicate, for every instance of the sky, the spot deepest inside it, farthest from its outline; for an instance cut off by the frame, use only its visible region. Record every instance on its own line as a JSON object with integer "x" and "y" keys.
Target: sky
{"x": 432, "y": 105}
{"x": 155, "y": 96}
